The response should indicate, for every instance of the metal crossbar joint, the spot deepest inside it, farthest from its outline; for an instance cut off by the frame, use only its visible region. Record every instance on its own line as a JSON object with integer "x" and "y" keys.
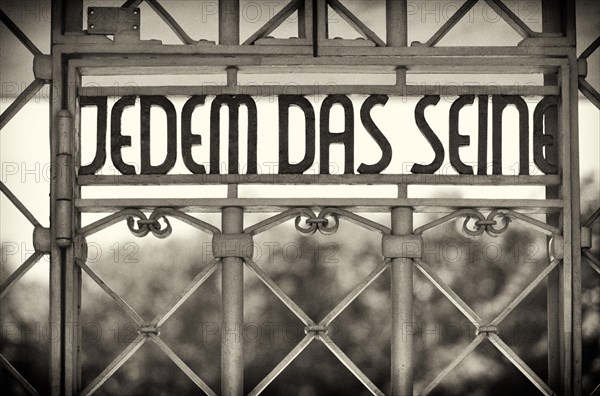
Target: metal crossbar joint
{"x": 233, "y": 245}
{"x": 317, "y": 221}
{"x": 80, "y": 248}
{"x": 487, "y": 330}
{"x": 586, "y": 237}
{"x": 556, "y": 247}
{"x": 147, "y": 330}
{"x": 402, "y": 246}
{"x": 42, "y": 67}
{"x": 316, "y": 329}
{"x": 480, "y": 223}
{"x": 42, "y": 241}
{"x": 582, "y": 67}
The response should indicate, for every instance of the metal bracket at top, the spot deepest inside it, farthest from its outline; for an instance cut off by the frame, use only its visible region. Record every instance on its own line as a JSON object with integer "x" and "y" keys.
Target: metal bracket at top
{"x": 113, "y": 20}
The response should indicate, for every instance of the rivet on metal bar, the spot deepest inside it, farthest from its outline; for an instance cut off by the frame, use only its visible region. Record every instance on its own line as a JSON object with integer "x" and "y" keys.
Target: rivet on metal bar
{"x": 41, "y": 239}
{"x": 149, "y": 330}
{"x": 556, "y": 247}
{"x": 233, "y": 245}
{"x": 582, "y": 68}
{"x": 42, "y": 67}
{"x": 402, "y": 246}
{"x": 316, "y": 330}
{"x": 487, "y": 330}
{"x": 64, "y": 180}
{"x": 586, "y": 237}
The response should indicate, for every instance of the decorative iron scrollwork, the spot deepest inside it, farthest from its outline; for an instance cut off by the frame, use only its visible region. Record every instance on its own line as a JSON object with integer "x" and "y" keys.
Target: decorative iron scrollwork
{"x": 490, "y": 224}
{"x": 485, "y": 224}
{"x": 151, "y": 224}
{"x": 148, "y": 224}
{"x": 326, "y": 223}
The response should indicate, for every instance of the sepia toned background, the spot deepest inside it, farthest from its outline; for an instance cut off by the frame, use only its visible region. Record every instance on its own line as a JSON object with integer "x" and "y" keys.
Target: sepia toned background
{"x": 315, "y": 271}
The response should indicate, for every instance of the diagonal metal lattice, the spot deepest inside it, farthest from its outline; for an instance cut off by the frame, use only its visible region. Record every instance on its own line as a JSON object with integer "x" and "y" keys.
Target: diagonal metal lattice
{"x": 148, "y": 330}
{"x": 499, "y": 7}
{"x": 584, "y": 86}
{"x": 34, "y": 87}
{"x": 19, "y": 273}
{"x": 488, "y": 330}
{"x": 316, "y": 331}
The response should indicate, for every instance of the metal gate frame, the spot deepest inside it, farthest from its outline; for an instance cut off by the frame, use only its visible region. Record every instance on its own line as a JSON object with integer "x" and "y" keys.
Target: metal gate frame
{"x": 75, "y": 54}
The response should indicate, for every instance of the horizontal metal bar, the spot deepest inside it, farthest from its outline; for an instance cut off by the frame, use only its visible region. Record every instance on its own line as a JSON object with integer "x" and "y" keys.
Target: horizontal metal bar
{"x": 140, "y": 64}
{"x": 289, "y": 358}
{"x": 559, "y": 51}
{"x": 410, "y": 179}
{"x": 198, "y": 280}
{"x": 270, "y": 205}
{"x": 120, "y": 302}
{"x": 449, "y": 293}
{"x": 182, "y": 366}
{"x": 322, "y": 89}
{"x": 532, "y": 285}
{"x": 270, "y": 283}
{"x": 11, "y": 369}
{"x": 19, "y": 273}
{"x": 461, "y": 356}
{"x": 111, "y": 48}
{"x": 21, "y": 100}
{"x": 362, "y": 286}
{"x": 114, "y": 365}
{"x": 328, "y": 342}
{"x": 520, "y": 364}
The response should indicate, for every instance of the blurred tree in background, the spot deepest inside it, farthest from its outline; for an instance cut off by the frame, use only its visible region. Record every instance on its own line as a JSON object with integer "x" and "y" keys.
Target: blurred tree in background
{"x": 316, "y": 272}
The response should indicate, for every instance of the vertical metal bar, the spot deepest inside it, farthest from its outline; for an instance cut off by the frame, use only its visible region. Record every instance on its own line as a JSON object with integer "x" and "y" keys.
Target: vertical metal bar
{"x": 551, "y": 23}
{"x": 55, "y": 278}
{"x": 302, "y": 21}
{"x": 232, "y": 347}
{"x": 64, "y": 231}
{"x": 229, "y": 22}
{"x": 322, "y": 20}
{"x": 402, "y": 306}
{"x": 565, "y": 270}
{"x": 396, "y": 23}
{"x": 73, "y": 271}
{"x": 73, "y": 16}
{"x": 576, "y": 384}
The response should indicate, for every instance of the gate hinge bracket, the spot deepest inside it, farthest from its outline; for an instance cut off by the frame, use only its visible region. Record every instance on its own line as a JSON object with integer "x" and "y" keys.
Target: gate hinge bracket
{"x": 586, "y": 237}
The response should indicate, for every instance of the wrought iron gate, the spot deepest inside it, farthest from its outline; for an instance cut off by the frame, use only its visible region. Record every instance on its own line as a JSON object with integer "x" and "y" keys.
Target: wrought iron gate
{"x": 77, "y": 53}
